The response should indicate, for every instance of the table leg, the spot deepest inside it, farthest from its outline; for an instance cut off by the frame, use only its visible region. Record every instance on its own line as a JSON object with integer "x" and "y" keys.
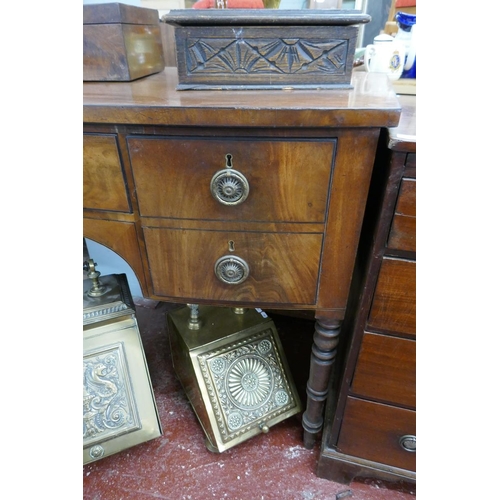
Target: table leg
{"x": 324, "y": 352}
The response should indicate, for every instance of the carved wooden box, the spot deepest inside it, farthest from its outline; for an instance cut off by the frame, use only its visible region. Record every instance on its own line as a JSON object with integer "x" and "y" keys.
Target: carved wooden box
{"x": 119, "y": 409}
{"x": 121, "y": 42}
{"x": 243, "y": 49}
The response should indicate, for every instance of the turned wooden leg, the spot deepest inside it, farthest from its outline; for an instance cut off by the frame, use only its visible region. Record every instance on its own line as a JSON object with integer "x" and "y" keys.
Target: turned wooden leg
{"x": 324, "y": 351}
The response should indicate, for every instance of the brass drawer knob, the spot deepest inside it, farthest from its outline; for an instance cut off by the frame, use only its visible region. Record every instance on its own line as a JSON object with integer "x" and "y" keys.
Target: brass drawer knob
{"x": 229, "y": 187}
{"x": 408, "y": 443}
{"x": 231, "y": 270}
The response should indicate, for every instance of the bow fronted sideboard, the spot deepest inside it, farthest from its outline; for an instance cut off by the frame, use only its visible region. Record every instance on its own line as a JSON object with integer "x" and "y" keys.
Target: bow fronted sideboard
{"x": 237, "y": 198}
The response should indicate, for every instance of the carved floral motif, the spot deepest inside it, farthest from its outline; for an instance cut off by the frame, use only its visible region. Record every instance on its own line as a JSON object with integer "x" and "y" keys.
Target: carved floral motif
{"x": 287, "y": 55}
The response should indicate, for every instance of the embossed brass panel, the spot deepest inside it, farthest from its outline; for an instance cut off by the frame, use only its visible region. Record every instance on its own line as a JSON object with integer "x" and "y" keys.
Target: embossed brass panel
{"x": 119, "y": 410}
{"x": 233, "y": 371}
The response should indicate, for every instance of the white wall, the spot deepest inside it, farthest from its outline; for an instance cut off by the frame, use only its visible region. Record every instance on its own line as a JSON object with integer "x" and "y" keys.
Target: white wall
{"x": 108, "y": 262}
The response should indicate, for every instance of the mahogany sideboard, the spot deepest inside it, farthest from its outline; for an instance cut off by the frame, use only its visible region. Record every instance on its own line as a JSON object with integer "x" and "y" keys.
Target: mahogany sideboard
{"x": 237, "y": 198}
{"x": 370, "y": 428}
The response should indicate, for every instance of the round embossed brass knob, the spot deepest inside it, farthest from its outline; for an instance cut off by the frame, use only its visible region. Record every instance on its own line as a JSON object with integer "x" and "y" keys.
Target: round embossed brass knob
{"x": 96, "y": 451}
{"x": 231, "y": 269}
{"x": 408, "y": 443}
{"x": 229, "y": 187}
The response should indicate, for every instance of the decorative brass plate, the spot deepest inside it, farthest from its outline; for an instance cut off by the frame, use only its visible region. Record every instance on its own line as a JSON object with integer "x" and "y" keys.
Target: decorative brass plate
{"x": 229, "y": 187}
{"x": 231, "y": 269}
{"x": 119, "y": 410}
{"x": 233, "y": 371}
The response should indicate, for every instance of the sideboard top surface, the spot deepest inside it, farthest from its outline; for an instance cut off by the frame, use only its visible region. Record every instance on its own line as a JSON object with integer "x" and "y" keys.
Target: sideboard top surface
{"x": 154, "y": 100}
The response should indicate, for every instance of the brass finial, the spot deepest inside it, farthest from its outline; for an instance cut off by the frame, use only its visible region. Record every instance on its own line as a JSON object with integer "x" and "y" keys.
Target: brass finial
{"x": 97, "y": 288}
{"x": 194, "y": 318}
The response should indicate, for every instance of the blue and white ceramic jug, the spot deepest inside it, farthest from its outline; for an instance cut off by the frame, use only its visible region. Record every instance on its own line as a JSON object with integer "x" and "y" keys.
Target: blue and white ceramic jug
{"x": 407, "y": 27}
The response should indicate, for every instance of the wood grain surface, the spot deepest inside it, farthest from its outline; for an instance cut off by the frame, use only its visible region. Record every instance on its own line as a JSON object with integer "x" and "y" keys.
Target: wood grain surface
{"x": 386, "y": 370}
{"x": 154, "y": 100}
{"x": 289, "y": 181}
{"x": 394, "y": 303}
{"x": 283, "y": 267}
{"x": 372, "y": 431}
{"x": 103, "y": 181}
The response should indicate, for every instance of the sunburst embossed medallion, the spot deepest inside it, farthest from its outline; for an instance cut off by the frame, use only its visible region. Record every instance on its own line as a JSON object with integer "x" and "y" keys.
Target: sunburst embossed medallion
{"x": 249, "y": 382}
{"x": 229, "y": 187}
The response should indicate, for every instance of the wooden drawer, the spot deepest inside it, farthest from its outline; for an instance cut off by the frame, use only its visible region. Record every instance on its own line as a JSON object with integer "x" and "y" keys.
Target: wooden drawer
{"x": 411, "y": 165}
{"x": 289, "y": 180}
{"x": 394, "y": 304}
{"x": 403, "y": 231}
{"x": 386, "y": 369}
{"x": 372, "y": 431}
{"x": 283, "y": 267}
{"x": 104, "y": 185}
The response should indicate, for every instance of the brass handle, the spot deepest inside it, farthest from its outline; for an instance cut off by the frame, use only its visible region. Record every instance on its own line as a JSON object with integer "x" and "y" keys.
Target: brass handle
{"x": 231, "y": 270}
{"x": 229, "y": 187}
{"x": 408, "y": 442}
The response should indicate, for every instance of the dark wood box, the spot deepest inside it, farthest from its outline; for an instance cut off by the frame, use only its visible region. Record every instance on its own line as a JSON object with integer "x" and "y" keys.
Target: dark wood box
{"x": 264, "y": 49}
{"x": 121, "y": 42}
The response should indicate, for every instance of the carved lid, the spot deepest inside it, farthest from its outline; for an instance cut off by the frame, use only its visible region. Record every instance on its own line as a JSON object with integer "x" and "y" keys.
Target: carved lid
{"x": 118, "y": 13}
{"x": 264, "y": 17}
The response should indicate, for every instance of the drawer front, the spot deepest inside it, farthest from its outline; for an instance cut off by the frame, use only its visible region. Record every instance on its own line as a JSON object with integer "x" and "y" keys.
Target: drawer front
{"x": 282, "y": 268}
{"x": 386, "y": 370}
{"x": 286, "y": 180}
{"x": 373, "y": 431}
{"x": 104, "y": 185}
{"x": 411, "y": 165}
{"x": 394, "y": 304}
{"x": 403, "y": 231}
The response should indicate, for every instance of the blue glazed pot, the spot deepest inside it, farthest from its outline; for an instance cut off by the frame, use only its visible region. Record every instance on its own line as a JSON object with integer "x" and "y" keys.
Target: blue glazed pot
{"x": 407, "y": 26}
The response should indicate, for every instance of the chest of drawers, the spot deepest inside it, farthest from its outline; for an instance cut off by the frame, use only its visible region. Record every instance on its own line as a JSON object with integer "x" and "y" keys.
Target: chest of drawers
{"x": 371, "y": 415}
{"x": 237, "y": 198}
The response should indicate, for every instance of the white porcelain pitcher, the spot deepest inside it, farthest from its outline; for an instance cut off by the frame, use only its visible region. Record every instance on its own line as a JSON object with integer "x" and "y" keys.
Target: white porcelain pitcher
{"x": 385, "y": 55}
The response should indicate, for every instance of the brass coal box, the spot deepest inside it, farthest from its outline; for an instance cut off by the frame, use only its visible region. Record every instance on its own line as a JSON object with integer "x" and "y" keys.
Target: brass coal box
{"x": 119, "y": 409}
{"x": 231, "y": 365}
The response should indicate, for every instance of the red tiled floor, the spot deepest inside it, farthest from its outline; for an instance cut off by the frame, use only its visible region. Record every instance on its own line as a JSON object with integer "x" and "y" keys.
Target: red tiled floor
{"x": 177, "y": 466}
